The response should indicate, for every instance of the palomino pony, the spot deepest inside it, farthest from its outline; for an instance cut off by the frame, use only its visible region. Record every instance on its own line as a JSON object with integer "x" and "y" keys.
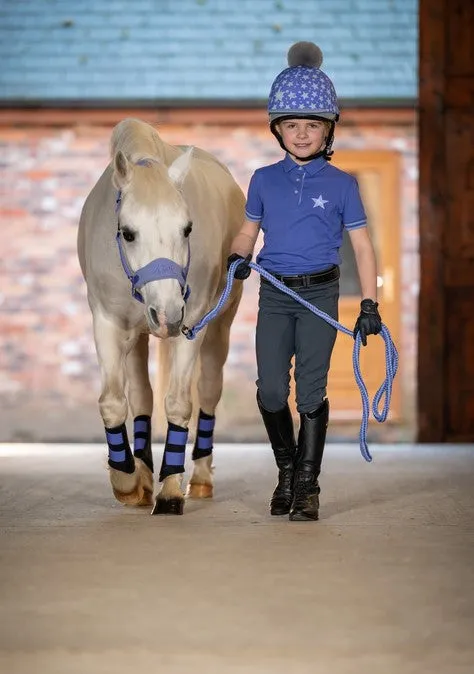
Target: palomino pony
{"x": 154, "y": 237}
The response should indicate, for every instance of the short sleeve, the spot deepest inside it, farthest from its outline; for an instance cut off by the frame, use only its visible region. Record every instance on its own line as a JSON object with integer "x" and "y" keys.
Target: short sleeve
{"x": 254, "y": 205}
{"x": 353, "y": 216}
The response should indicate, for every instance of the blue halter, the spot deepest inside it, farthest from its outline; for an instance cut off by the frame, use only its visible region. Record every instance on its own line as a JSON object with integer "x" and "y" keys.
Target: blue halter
{"x": 156, "y": 270}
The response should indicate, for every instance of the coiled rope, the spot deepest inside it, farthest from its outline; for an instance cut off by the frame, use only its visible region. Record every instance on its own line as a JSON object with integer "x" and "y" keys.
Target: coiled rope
{"x": 391, "y": 353}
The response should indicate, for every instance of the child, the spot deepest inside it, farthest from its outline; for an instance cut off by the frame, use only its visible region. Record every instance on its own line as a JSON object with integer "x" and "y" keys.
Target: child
{"x": 302, "y": 204}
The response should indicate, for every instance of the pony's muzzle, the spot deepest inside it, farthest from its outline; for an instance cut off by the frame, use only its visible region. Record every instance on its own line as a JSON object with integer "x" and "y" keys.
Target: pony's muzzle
{"x": 161, "y": 325}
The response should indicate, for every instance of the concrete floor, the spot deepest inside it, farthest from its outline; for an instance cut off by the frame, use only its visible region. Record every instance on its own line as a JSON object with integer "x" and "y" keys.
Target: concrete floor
{"x": 382, "y": 584}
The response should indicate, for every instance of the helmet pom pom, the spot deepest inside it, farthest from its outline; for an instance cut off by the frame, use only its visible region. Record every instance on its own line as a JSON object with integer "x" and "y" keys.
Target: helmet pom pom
{"x": 305, "y": 54}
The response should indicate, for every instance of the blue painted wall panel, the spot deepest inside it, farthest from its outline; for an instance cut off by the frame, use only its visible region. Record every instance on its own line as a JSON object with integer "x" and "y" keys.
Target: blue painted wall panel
{"x": 220, "y": 50}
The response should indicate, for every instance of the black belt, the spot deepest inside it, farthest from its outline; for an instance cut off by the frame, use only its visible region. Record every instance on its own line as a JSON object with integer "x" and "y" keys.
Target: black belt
{"x": 307, "y": 280}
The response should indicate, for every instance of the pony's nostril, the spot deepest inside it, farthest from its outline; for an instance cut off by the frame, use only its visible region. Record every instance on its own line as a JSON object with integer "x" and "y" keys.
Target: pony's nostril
{"x": 153, "y": 316}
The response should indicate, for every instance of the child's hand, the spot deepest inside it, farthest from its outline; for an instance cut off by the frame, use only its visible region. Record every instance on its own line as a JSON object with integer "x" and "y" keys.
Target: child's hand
{"x": 369, "y": 321}
{"x": 243, "y": 270}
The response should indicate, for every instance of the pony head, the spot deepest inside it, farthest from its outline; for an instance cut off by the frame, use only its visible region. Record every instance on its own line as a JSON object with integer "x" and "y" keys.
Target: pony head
{"x": 153, "y": 228}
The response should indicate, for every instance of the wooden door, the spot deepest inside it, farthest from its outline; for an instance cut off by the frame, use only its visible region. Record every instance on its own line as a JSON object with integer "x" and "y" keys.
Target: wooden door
{"x": 446, "y": 307}
{"x": 377, "y": 174}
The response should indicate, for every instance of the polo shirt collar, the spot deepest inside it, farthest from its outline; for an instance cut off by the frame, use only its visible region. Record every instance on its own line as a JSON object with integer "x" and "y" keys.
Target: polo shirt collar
{"x": 312, "y": 167}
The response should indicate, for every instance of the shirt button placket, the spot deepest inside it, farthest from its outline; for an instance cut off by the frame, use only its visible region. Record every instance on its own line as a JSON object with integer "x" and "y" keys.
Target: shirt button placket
{"x": 301, "y": 187}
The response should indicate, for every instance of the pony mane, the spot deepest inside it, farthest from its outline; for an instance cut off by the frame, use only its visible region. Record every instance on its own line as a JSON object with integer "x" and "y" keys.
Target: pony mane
{"x": 137, "y": 140}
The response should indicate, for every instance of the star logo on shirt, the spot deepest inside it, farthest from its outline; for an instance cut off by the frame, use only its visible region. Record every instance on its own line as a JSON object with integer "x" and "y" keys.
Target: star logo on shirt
{"x": 319, "y": 201}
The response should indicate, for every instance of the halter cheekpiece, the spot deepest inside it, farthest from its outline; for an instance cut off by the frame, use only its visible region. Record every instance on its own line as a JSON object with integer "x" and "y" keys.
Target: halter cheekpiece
{"x": 156, "y": 270}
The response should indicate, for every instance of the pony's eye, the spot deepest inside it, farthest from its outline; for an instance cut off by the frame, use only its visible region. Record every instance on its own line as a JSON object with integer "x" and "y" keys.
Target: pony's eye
{"x": 128, "y": 235}
{"x": 188, "y": 229}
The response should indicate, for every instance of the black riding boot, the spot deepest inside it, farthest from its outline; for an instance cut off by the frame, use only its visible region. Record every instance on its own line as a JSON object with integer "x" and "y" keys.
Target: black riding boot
{"x": 311, "y": 439}
{"x": 281, "y": 434}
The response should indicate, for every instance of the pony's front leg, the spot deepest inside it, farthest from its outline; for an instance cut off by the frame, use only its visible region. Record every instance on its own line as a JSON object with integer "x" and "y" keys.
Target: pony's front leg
{"x": 213, "y": 355}
{"x": 140, "y": 402}
{"x": 178, "y": 408}
{"x": 112, "y": 345}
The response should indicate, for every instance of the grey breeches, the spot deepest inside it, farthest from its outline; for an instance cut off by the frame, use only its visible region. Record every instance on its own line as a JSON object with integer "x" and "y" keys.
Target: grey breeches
{"x": 285, "y": 329}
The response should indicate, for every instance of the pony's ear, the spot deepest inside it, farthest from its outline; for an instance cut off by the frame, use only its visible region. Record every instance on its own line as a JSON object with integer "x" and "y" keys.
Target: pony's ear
{"x": 122, "y": 170}
{"x": 180, "y": 167}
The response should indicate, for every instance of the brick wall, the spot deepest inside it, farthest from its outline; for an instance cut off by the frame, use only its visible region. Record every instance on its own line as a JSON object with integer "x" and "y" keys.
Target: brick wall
{"x": 49, "y": 381}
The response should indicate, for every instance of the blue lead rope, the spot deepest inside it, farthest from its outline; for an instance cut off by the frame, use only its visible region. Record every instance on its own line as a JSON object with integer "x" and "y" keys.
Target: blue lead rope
{"x": 391, "y": 353}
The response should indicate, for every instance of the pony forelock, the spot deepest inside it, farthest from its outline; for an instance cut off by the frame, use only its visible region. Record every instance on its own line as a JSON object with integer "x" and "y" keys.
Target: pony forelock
{"x": 133, "y": 136}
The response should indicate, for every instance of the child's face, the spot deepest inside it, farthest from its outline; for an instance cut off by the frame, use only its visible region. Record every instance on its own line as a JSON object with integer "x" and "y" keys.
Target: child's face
{"x": 303, "y": 137}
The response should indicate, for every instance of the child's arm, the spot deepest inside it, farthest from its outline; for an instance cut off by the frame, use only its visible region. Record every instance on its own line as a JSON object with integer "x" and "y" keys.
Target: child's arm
{"x": 242, "y": 247}
{"x": 369, "y": 321}
{"x": 244, "y": 242}
{"x": 366, "y": 263}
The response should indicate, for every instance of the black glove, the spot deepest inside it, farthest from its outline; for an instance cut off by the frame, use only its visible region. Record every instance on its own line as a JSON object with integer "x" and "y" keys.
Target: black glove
{"x": 369, "y": 321}
{"x": 243, "y": 270}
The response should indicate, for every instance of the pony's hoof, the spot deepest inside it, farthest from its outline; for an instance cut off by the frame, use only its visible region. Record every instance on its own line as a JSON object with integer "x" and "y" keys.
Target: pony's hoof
{"x": 199, "y": 490}
{"x": 141, "y": 496}
{"x": 135, "y": 497}
{"x": 168, "y": 506}
{"x": 146, "y": 481}
{"x": 142, "y": 492}
{"x": 147, "y": 499}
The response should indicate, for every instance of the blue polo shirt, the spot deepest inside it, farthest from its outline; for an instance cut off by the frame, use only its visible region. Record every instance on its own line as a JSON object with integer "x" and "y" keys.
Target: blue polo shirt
{"x": 303, "y": 211}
